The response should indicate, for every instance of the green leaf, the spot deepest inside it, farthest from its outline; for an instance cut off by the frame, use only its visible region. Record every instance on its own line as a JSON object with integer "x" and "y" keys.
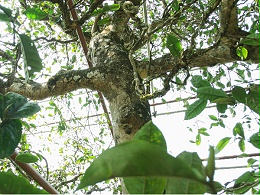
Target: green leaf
{"x": 12, "y": 184}
{"x": 242, "y": 52}
{"x": 174, "y": 45}
{"x": 26, "y": 158}
{"x": 31, "y": 58}
{"x": 106, "y": 8}
{"x": 225, "y": 100}
{"x": 150, "y": 132}
{"x": 251, "y": 39}
{"x": 246, "y": 177}
{"x": 7, "y": 11}
{"x": 212, "y": 117}
{"x": 29, "y": 109}
{"x": 241, "y": 145}
{"x": 136, "y": 158}
{"x": 238, "y": 129}
{"x": 221, "y": 144}
{"x": 16, "y": 106}
{"x": 253, "y": 98}
{"x": 198, "y": 82}
{"x": 254, "y": 140}
{"x": 221, "y": 108}
{"x": 186, "y": 186}
{"x": 35, "y": 13}
{"x": 239, "y": 93}
{"x": 210, "y": 167}
{"x": 147, "y": 185}
{"x": 195, "y": 109}
{"x": 175, "y": 5}
{"x": 10, "y": 135}
{"x": 209, "y": 93}
{"x": 103, "y": 21}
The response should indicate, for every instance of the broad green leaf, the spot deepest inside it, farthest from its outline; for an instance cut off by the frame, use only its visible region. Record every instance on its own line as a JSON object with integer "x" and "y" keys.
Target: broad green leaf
{"x": 195, "y": 109}
{"x": 10, "y": 135}
{"x": 26, "y": 158}
{"x": 147, "y": 185}
{"x": 254, "y": 140}
{"x": 35, "y": 13}
{"x": 198, "y": 82}
{"x": 106, "y": 8}
{"x": 251, "y": 39}
{"x": 221, "y": 144}
{"x": 210, "y": 93}
{"x": 238, "y": 129}
{"x": 136, "y": 158}
{"x": 12, "y": 184}
{"x": 150, "y": 132}
{"x": 221, "y": 108}
{"x": 186, "y": 186}
{"x": 239, "y": 94}
{"x": 174, "y": 45}
{"x": 31, "y": 58}
{"x": 225, "y": 100}
{"x": 253, "y": 98}
{"x": 103, "y": 21}
{"x": 4, "y": 17}
{"x": 29, "y": 109}
{"x": 246, "y": 177}
{"x": 16, "y": 106}
{"x": 210, "y": 167}
{"x": 241, "y": 145}
{"x": 7, "y": 11}
{"x": 242, "y": 52}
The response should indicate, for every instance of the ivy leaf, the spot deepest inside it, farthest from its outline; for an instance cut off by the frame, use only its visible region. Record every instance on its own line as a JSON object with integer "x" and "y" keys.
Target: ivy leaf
{"x": 26, "y": 158}
{"x": 31, "y": 58}
{"x": 198, "y": 82}
{"x": 195, "y": 109}
{"x": 239, "y": 94}
{"x": 136, "y": 158}
{"x": 35, "y": 13}
{"x": 10, "y": 135}
{"x": 242, "y": 52}
{"x": 12, "y": 184}
{"x": 254, "y": 140}
{"x": 221, "y": 144}
{"x": 210, "y": 93}
{"x": 185, "y": 186}
{"x": 174, "y": 45}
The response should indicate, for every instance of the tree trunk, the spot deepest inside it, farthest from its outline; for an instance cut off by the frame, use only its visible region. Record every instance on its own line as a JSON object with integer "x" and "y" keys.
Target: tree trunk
{"x": 129, "y": 113}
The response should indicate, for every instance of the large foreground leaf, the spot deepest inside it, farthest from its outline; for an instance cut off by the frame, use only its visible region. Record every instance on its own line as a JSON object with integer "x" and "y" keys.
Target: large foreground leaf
{"x": 147, "y": 185}
{"x": 10, "y": 135}
{"x": 187, "y": 186}
{"x": 210, "y": 93}
{"x": 136, "y": 158}
{"x": 12, "y": 184}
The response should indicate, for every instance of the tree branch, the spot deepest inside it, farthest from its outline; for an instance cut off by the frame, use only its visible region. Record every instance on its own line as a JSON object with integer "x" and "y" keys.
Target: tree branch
{"x": 61, "y": 83}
